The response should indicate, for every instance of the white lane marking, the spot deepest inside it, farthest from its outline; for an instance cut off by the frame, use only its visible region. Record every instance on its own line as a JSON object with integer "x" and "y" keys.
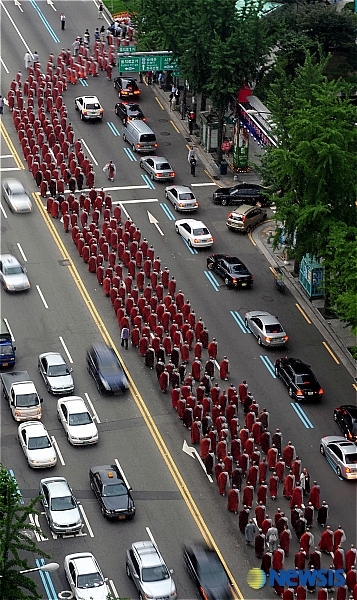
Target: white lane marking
{"x": 150, "y": 535}
{"x": 124, "y": 209}
{"x": 54, "y": 442}
{"x": 3, "y": 210}
{"x": 10, "y": 169}
{"x": 136, "y": 201}
{"x": 66, "y": 349}
{"x": 21, "y": 252}
{"x": 191, "y": 451}
{"x": 35, "y": 522}
{"x": 122, "y": 474}
{"x": 154, "y": 220}
{"x": 3, "y": 64}
{"x": 52, "y": 5}
{"x": 9, "y": 328}
{"x": 86, "y": 520}
{"x": 17, "y": 3}
{"x": 116, "y": 595}
{"x": 89, "y": 152}
{"x": 95, "y": 414}
{"x": 42, "y": 296}
{"x": 6, "y": 155}
{"x": 15, "y": 27}
{"x": 202, "y": 184}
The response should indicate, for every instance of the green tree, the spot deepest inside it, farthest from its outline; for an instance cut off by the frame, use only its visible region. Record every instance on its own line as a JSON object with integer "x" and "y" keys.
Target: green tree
{"x": 15, "y": 542}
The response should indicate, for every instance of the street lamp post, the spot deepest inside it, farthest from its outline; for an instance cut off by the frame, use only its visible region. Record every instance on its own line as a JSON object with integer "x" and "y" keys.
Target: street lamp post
{"x": 49, "y": 568}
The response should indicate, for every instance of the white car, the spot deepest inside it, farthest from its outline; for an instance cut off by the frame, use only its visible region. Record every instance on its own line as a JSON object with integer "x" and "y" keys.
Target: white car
{"x": 85, "y": 577}
{"x": 16, "y": 196}
{"x": 56, "y": 375}
{"x": 36, "y": 445}
{"x": 12, "y": 275}
{"x": 194, "y": 232}
{"x": 182, "y": 198}
{"x": 76, "y": 420}
{"x": 89, "y": 107}
{"x": 60, "y": 506}
{"x": 158, "y": 168}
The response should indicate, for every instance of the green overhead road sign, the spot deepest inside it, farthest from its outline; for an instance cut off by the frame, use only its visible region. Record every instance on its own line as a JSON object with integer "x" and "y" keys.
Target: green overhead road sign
{"x": 153, "y": 62}
{"x": 126, "y": 49}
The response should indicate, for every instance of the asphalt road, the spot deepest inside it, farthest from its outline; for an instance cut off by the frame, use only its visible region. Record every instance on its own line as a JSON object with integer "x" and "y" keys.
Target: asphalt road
{"x": 148, "y": 445}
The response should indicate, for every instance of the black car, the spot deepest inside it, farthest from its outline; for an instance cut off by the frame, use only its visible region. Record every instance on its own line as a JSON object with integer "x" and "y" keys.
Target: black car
{"x": 128, "y": 111}
{"x": 126, "y": 87}
{"x": 242, "y": 193}
{"x": 298, "y": 378}
{"x": 106, "y": 370}
{"x": 110, "y": 487}
{"x": 346, "y": 418}
{"x": 207, "y": 572}
{"x": 231, "y": 269}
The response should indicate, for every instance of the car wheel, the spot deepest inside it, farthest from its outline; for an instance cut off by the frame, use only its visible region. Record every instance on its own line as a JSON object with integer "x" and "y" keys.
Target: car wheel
{"x": 177, "y": 229}
{"x": 291, "y": 392}
{"x": 152, "y": 177}
{"x": 99, "y": 387}
{"x": 277, "y": 372}
{"x": 75, "y": 106}
{"x": 58, "y": 416}
{"x": 91, "y": 486}
{"x": 82, "y": 117}
{"x": 127, "y": 570}
{"x": 335, "y": 416}
{"x": 123, "y": 120}
{"x": 176, "y": 207}
{"x": 210, "y": 266}
{"x": 133, "y": 148}
{"x": 246, "y": 323}
{"x": 226, "y": 281}
{"x": 189, "y": 243}
{"x": 124, "y": 137}
{"x": 141, "y": 164}
{"x": 338, "y": 470}
{"x": 69, "y": 439}
{"x": 259, "y": 341}
{"x": 102, "y": 510}
{"x": 322, "y": 451}
{"x": 224, "y": 201}
{"x": 166, "y": 195}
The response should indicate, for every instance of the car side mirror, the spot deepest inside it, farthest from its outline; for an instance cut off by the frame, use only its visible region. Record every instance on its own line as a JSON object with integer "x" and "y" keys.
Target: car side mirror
{"x": 71, "y": 370}
{"x": 25, "y": 270}
{"x": 136, "y": 575}
{"x": 106, "y": 579}
{"x": 14, "y": 348}
{"x": 41, "y": 400}
{"x": 12, "y": 403}
{"x": 172, "y": 571}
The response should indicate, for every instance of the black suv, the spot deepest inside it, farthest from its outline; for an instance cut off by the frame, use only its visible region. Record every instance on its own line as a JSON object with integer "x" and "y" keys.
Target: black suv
{"x": 128, "y": 111}
{"x": 106, "y": 370}
{"x": 126, "y": 86}
{"x": 242, "y": 193}
{"x": 207, "y": 572}
{"x": 299, "y": 379}
{"x": 231, "y": 269}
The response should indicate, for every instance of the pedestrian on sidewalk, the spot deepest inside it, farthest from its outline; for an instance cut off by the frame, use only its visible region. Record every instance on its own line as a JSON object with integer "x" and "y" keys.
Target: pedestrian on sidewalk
{"x": 173, "y": 102}
{"x": 28, "y": 60}
{"x": 192, "y": 154}
{"x": 124, "y": 335}
{"x": 193, "y": 166}
{"x": 182, "y": 109}
{"x": 63, "y": 21}
{"x": 100, "y": 11}
{"x": 191, "y": 120}
{"x": 35, "y": 58}
{"x": 102, "y": 33}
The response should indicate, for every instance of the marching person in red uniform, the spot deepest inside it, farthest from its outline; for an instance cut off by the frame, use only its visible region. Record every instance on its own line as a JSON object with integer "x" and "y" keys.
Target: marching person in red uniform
{"x": 289, "y": 454}
{"x": 278, "y": 559}
{"x": 284, "y": 540}
{"x": 350, "y": 556}
{"x": 212, "y": 349}
{"x": 260, "y": 512}
{"x": 300, "y": 559}
{"x": 205, "y": 446}
{"x": 326, "y": 542}
{"x": 196, "y": 431}
{"x": 339, "y": 537}
{"x": 224, "y": 369}
{"x": 339, "y": 558}
{"x": 296, "y": 497}
{"x": 280, "y": 469}
{"x": 248, "y": 492}
{"x": 164, "y": 381}
{"x": 233, "y": 500}
{"x": 273, "y": 486}
{"x": 307, "y": 541}
{"x": 272, "y": 457}
{"x": 315, "y": 496}
{"x": 265, "y": 440}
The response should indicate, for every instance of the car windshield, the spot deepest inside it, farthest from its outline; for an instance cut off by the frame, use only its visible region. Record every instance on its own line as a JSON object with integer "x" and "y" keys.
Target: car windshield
{"x": 80, "y": 419}
{"x": 351, "y": 459}
{"x": 274, "y": 328}
{"x": 134, "y": 107}
{"x": 211, "y": 572}
{"x": 58, "y": 371}
{"x": 6, "y": 349}
{"x": 201, "y": 231}
{"x": 16, "y": 270}
{"x": 108, "y": 365}
{"x": 89, "y": 581}
{"x": 37, "y": 443}
{"x": 155, "y": 573}
{"x": 27, "y": 400}
{"x": 186, "y": 196}
{"x": 95, "y": 105}
{"x": 17, "y": 191}
{"x": 117, "y": 489}
{"x": 65, "y": 503}
{"x": 163, "y": 166}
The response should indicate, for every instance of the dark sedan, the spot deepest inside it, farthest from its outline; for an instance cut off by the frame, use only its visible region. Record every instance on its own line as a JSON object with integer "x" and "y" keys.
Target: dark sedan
{"x": 111, "y": 489}
{"x": 129, "y": 111}
{"x": 299, "y": 379}
{"x": 231, "y": 269}
{"x": 346, "y": 417}
{"x": 127, "y": 87}
{"x": 207, "y": 572}
{"x": 106, "y": 370}
{"x": 243, "y": 193}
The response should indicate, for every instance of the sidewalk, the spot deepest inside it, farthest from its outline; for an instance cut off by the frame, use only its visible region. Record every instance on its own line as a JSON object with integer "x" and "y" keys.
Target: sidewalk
{"x": 336, "y": 334}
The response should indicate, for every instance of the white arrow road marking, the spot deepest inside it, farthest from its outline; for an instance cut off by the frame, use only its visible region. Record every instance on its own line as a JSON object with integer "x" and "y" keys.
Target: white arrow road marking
{"x": 154, "y": 220}
{"x": 17, "y": 3}
{"x": 194, "y": 454}
{"x": 51, "y": 5}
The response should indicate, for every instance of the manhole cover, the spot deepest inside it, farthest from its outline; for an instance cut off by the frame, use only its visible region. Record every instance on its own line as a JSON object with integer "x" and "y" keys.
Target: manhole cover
{"x": 163, "y": 120}
{"x": 165, "y": 133}
{"x": 267, "y": 299}
{"x": 166, "y": 144}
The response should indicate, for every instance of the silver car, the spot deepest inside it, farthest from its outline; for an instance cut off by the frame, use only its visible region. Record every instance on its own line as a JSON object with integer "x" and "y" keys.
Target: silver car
{"x": 146, "y": 567}
{"x": 158, "y": 168}
{"x": 85, "y": 577}
{"x": 60, "y": 506}
{"x": 12, "y": 275}
{"x": 16, "y": 196}
{"x": 341, "y": 454}
{"x": 36, "y": 445}
{"x": 194, "y": 232}
{"x": 182, "y": 198}
{"x": 76, "y": 420}
{"x": 56, "y": 375}
{"x": 266, "y": 328}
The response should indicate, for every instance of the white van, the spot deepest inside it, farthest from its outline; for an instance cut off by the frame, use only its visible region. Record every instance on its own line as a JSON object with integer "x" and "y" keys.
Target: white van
{"x": 140, "y": 136}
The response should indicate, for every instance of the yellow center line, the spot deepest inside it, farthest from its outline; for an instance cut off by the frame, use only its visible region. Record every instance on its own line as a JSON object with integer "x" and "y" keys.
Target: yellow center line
{"x": 149, "y": 421}
{"x": 354, "y": 385}
{"x": 251, "y": 238}
{"x": 330, "y": 351}
{"x": 11, "y": 147}
{"x": 159, "y": 103}
{"x": 174, "y": 126}
{"x": 303, "y": 313}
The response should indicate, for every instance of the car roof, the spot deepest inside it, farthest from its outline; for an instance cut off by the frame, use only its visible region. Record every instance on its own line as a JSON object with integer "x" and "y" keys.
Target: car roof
{"x": 90, "y": 98}
{"x": 104, "y": 471}
{"x": 148, "y": 553}
{"x": 182, "y": 189}
{"x": 299, "y": 366}
{"x": 58, "y": 486}
{"x": 260, "y": 313}
{"x": 34, "y": 428}
{"x": 341, "y": 441}
{"x": 13, "y": 183}
{"x": 232, "y": 260}
{"x": 75, "y": 404}
{"x": 349, "y": 408}
{"x": 192, "y": 222}
{"x": 53, "y": 358}
{"x": 9, "y": 259}
{"x": 157, "y": 158}
{"x": 84, "y": 562}
{"x": 103, "y": 351}
{"x": 241, "y": 210}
